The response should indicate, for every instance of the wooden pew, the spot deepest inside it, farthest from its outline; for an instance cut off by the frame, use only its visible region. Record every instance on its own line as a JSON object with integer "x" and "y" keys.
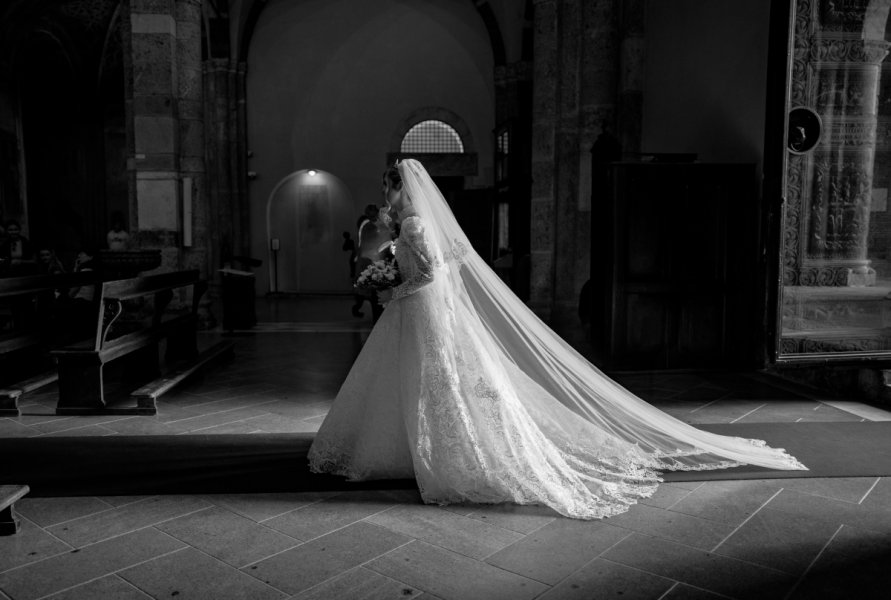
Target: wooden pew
{"x": 81, "y": 378}
{"x": 9, "y": 525}
{"x": 29, "y": 305}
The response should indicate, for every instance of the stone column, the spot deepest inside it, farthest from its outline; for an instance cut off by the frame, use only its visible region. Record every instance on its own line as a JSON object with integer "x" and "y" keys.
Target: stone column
{"x": 545, "y": 74}
{"x": 190, "y": 113}
{"x": 846, "y": 95}
{"x": 152, "y": 123}
{"x": 836, "y": 70}
{"x": 228, "y": 225}
{"x": 575, "y": 75}
{"x": 165, "y": 128}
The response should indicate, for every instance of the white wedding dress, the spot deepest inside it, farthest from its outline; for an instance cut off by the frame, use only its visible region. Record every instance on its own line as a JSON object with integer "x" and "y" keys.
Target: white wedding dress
{"x": 465, "y": 391}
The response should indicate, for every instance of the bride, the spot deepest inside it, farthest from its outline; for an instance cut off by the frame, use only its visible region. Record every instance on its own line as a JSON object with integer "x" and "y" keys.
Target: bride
{"x": 461, "y": 387}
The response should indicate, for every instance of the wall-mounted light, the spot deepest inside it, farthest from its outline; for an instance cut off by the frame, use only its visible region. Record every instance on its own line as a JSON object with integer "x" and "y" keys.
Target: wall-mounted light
{"x": 313, "y": 172}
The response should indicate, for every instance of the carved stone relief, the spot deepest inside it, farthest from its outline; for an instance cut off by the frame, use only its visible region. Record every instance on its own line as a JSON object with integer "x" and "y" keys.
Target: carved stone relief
{"x": 835, "y": 70}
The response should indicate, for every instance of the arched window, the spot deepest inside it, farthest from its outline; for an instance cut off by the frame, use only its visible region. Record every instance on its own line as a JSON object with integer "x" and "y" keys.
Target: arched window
{"x": 432, "y": 136}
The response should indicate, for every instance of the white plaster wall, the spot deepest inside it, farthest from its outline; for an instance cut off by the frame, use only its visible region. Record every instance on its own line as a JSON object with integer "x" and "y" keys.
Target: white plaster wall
{"x": 329, "y": 81}
{"x": 706, "y": 78}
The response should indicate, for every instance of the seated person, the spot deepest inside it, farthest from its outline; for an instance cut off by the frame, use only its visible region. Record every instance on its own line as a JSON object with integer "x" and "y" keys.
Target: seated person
{"x": 48, "y": 261}
{"x": 16, "y": 248}
{"x": 118, "y": 238}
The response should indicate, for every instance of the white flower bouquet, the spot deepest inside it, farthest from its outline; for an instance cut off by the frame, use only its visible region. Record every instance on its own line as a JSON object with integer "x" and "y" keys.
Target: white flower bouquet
{"x": 379, "y": 275}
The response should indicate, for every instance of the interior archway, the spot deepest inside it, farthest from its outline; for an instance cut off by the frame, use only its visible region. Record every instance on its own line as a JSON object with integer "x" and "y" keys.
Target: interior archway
{"x": 302, "y": 217}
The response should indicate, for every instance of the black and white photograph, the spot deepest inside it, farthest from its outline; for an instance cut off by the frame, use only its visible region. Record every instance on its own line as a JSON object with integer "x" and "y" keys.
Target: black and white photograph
{"x": 445, "y": 299}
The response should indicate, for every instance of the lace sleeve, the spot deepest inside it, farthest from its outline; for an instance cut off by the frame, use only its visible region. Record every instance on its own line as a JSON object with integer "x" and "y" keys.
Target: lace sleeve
{"x": 415, "y": 238}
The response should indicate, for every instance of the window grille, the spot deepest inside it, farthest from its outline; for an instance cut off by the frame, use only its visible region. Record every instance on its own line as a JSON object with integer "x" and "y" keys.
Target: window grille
{"x": 432, "y": 137}
{"x": 502, "y": 156}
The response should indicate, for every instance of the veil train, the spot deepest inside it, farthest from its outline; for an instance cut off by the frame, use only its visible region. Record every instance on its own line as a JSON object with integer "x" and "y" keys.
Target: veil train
{"x": 521, "y": 339}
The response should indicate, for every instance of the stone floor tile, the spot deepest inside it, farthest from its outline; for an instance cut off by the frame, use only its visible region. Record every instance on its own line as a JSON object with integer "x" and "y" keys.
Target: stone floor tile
{"x": 467, "y": 536}
{"x": 299, "y": 408}
{"x": 240, "y": 427}
{"x": 522, "y": 519}
{"x": 729, "y": 502}
{"x": 277, "y": 423}
{"x": 864, "y": 411}
{"x": 705, "y": 392}
{"x": 50, "y": 511}
{"x": 26, "y": 418}
{"x": 557, "y": 549}
{"x": 701, "y": 569}
{"x": 879, "y": 496}
{"x": 13, "y": 429}
{"x": 218, "y": 393}
{"x": 231, "y": 538}
{"x": 360, "y": 583}
{"x": 853, "y": 565}
{"x": 77, "y": 423}
{"x": 168, "y": 413}
{"x": 788, "y": 542}
{"x": 310, "y": 564}
{"x": 190, "y": 574}
{"x": 834, "y": 511}
{"x": 849, "y": 489}
{"x": 86, "y": 431}
{"x": 461, "y": 508}
{"x": 682, "y": 591}
{"x": 666, "y": 496}
{"x": 261, "y": 507}
{"x": 141, "y": 425}
{"x": 314, "y": 423}
{"x": 775, "y": 411}
{"x": 724, "y": 411}
{"x": 125, "y": 519}
{"x": 118, "y": 501}
{"x": 111, "y": 587}
{"x": 29, "y": 545}
{"x": 73, "y": 568}
{"x": 216, "y": 418}
{"x": 684, "y": 485}
{"x": 452, "y": 576}
{"x": 672, "y": 525}
{"x": 604, "y": 579}
{"x": 332, "y": 513}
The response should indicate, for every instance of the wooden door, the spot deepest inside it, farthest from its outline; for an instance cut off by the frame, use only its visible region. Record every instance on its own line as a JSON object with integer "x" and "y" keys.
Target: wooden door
{"x": 673, "y": 265}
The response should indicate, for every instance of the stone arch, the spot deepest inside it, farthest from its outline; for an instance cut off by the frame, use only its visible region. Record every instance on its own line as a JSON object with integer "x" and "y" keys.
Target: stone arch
{"x": 251, "y": 9}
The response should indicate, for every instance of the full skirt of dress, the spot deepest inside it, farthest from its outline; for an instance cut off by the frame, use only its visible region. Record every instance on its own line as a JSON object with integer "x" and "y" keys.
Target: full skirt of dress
{"x": 430, "y": 398}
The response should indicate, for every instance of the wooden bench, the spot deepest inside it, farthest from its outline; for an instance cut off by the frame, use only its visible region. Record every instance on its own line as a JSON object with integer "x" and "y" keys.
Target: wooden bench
{"x": 138, "y": 336}
{"x": 29, "y": 305}
{"x": 9, "y": 525}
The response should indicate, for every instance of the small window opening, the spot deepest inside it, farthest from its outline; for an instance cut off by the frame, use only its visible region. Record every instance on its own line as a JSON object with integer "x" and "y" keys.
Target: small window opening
{"x": 432, "y": 137}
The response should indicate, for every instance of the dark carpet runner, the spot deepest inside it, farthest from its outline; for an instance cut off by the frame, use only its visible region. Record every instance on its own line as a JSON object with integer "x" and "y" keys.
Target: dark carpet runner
{"x": 254, "y": 463}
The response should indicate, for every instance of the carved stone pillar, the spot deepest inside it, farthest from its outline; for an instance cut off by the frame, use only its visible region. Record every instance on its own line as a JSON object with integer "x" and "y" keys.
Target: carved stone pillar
{"x": 836, "y": 73}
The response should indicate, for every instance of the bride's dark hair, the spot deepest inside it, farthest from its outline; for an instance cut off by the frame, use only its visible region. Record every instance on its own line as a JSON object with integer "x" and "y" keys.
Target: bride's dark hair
{"x": 392, "y": 178}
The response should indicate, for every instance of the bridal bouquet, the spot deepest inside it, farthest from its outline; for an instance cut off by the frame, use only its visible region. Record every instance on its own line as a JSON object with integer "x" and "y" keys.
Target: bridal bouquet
{"x": 379, "y": 275}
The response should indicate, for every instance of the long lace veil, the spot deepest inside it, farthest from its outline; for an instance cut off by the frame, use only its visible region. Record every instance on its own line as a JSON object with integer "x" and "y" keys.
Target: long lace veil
{"x": 519, "y": 336}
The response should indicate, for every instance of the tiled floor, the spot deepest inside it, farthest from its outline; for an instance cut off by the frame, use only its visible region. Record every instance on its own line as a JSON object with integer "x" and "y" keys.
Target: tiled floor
{"x": 780, "y": 538}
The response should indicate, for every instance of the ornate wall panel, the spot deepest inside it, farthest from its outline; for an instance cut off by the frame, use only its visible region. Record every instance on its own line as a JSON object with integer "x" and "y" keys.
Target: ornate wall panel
{"x": 836, "y": 192}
